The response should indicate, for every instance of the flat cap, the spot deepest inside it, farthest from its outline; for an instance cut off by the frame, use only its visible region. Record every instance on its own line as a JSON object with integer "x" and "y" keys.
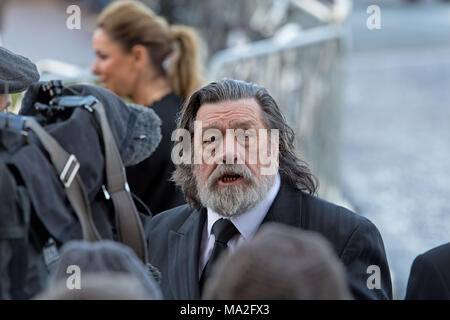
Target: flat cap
{"x": 16, "y": 72}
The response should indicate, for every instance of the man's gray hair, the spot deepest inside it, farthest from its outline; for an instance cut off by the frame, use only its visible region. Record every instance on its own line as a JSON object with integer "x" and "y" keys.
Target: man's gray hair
{"x": 291, "y": 168}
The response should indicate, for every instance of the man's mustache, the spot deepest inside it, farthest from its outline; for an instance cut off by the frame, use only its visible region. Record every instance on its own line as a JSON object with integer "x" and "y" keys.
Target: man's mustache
{"x": 235, "y": 169}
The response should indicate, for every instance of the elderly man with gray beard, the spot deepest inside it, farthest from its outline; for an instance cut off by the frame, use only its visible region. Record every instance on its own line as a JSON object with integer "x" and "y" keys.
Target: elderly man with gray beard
{"x": 232, "y": 187}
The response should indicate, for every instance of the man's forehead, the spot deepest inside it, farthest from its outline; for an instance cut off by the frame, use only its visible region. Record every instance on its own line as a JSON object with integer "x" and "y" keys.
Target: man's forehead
{"x": 243, "y": 110}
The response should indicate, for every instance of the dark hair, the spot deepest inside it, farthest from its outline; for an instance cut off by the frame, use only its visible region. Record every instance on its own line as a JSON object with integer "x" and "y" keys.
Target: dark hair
{"x": 291, "y": 168}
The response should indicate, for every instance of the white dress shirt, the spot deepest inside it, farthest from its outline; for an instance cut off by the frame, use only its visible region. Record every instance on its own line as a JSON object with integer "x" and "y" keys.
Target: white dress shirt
{"x": 247, "y": 224}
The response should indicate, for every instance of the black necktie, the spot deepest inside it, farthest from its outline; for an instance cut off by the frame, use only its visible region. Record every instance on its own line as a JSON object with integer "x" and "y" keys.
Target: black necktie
{"x": 223, "y": 230}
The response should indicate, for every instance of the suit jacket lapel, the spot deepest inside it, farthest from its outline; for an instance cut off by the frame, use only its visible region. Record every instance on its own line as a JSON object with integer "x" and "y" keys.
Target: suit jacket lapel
{"x": 286, "y": 208}
{"x": 184, "y": 246}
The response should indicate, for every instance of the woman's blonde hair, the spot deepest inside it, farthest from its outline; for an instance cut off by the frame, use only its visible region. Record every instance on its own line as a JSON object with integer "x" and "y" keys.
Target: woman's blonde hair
{"x": 173, "y": 50}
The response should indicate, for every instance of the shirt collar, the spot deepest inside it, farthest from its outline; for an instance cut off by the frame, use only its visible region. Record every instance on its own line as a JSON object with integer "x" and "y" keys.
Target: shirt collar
{"x": 248, "y": 222}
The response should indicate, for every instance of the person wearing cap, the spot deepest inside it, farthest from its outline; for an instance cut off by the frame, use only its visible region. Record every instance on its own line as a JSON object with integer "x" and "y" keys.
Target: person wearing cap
{"x": 17, "y": 73}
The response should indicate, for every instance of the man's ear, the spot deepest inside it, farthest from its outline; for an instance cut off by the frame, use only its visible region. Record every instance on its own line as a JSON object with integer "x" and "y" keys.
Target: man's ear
{"x": 140, "y": 55}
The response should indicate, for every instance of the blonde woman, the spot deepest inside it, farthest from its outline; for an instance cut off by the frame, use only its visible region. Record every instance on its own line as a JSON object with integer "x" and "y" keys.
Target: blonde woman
{"x": 141, "y": 57}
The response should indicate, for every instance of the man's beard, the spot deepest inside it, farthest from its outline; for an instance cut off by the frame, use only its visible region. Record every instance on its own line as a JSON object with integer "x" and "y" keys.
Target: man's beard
{"x": 233, "y": 200}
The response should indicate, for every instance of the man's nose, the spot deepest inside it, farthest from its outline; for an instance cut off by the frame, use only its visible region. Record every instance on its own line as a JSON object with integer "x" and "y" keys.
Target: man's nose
{"x": 230, "y": 154}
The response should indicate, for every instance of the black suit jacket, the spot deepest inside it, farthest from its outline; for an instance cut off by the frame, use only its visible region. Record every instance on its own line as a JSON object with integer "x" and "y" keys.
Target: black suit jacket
{"x": 430, "y": 275}
{"x": 175, "y": 236}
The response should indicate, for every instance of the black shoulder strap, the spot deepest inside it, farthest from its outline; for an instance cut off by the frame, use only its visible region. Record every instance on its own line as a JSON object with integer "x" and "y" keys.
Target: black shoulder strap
{"x": 67, "y": 167}
{"x": 128, "y": 223}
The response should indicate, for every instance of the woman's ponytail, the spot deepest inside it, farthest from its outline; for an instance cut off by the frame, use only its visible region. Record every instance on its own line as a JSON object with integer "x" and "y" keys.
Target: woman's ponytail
{"x": 184, "y": 74}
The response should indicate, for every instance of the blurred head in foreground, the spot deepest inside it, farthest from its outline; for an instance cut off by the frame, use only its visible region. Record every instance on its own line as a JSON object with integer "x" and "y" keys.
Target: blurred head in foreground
{"x": 98, "y": 286}
{"x": 106, "y": 269}
{"x": 141, "y": 56}
{"x": 280, "y": 262}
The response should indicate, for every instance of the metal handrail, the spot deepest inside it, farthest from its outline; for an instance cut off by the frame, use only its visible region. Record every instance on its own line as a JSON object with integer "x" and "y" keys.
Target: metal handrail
{"x": 267, "y": 46}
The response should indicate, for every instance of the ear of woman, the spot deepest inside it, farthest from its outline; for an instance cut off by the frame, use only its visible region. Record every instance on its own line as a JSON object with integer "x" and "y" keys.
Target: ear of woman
{"x": 140, "y": 56}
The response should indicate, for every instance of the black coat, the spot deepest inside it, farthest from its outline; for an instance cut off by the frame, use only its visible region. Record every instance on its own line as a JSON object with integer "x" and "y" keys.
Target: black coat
{"x": 430, "y": 275}
{"x": 149, "y": 180}
{"x": 175, "y": 236}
